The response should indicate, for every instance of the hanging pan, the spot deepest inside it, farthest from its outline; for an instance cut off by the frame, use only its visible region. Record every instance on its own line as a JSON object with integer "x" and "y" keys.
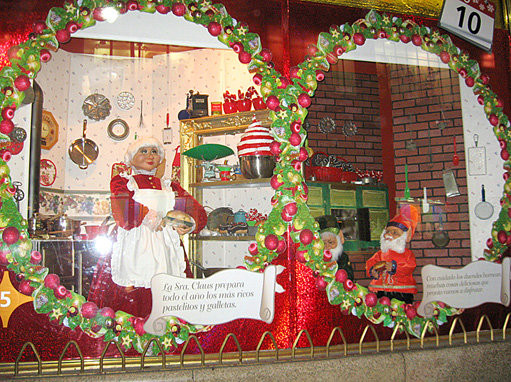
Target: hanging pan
{"x": 440, "y": 238}
{"x": 83, "y": 151}
{"x": 484, "y": 210}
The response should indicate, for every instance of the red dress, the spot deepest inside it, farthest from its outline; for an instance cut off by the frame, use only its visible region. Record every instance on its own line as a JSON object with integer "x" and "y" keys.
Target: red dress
{"x": 400, "y": 278}
{"x": 129, "y": 215}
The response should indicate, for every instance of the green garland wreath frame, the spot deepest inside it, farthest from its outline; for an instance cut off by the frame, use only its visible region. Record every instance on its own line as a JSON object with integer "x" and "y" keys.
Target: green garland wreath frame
{"x": 290, "y": 219}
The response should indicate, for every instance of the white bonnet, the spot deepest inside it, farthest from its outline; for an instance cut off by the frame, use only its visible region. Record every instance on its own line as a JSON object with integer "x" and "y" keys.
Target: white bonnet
{"x": 141, "y": 142}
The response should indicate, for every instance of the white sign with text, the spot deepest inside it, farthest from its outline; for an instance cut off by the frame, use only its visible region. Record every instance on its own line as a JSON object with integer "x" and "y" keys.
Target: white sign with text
{"x": 472, "y": 285}
{"x": 472, "y": 20}
{"x": 222, "y": 297}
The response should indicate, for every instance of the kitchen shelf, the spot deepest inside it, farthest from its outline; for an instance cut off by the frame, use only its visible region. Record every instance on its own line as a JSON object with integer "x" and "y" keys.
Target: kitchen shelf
{"x": 238, "y": 183}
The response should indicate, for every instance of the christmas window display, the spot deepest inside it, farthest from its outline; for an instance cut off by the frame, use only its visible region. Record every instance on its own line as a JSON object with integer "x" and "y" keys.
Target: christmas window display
{"x": 289, "y": 228}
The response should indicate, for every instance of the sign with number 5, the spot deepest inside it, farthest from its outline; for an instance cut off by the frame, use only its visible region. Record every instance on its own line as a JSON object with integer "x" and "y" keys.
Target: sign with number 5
{"x": 471, "y": 20}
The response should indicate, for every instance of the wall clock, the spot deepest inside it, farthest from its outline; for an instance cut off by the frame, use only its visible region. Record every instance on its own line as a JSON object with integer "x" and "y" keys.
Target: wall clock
{"x": 49, "y": 131}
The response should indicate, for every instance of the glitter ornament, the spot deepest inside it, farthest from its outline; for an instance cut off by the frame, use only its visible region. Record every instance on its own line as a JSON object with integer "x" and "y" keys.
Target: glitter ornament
{"x": 22, "y": 83}
{"x": 10, "y": 235}
{"x": 88, "y": 310}
{"x": 52, "y": 281}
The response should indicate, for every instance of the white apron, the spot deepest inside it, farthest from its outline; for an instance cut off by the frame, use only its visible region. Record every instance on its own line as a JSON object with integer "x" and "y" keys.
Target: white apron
{"x": 140, "y": 253}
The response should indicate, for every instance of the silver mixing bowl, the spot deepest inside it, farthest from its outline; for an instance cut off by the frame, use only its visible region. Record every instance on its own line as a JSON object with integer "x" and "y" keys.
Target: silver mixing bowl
{"x": 257, "y": 166}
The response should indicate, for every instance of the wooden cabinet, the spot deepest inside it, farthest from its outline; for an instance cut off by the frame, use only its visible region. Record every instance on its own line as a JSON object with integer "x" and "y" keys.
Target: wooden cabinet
{"x": 362, "y": 210}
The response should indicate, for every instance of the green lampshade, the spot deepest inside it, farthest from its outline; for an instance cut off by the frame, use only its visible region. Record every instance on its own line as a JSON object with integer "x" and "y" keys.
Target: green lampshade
{"x": 209, "y": 152}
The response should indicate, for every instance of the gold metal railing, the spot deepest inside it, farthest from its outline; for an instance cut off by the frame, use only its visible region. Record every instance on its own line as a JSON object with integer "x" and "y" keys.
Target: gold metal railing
{"x": 105, "y": 364}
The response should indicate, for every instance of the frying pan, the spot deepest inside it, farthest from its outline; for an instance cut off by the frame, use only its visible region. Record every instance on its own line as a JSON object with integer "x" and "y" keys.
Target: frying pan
{"x": 440, "y": 238}
{"x": 83, "y": 151}
{"x": 483, "y": 210}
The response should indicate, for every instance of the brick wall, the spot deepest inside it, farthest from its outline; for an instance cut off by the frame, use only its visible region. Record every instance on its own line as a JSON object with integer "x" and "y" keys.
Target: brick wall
{"x": 426, "y": 116}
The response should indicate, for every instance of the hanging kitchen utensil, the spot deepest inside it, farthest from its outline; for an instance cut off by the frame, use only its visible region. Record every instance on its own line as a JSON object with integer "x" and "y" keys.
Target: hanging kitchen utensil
{"x": 118, "y": 129}
{"x": 425, "y": 204}
{"x": 476, "y": 158}
{"x": 441, "y": 123}
{"x": 96, "y": 107}
{"x": 483, "y": 210}
{"x": 440, "y": 238}
{"x": 125, "y": 100}
{"x": 407, "y": 189}
{"x": 455, "y": 157}
{"x": 83, "y": 151}
{"x": 326, "y": 125}
{"x": 450, "y": 185}
{"x": 141, "y": 122}
{"x": 349, "y": 129}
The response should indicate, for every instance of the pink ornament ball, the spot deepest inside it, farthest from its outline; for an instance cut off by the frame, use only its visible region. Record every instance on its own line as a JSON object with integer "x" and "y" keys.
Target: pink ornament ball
{"x": 271, "y": 242}
{"x": 22, "y": 82}
{"x": 89, "y": 310}
{"x": 320, "y": 76}
{"x": 45, "y": 55}
{"x": 327, "y": 255}
{"x": 25, "y": 288}
{"x": 306, "y": 236}
{"x": 10, "y": 235}
{"x": 252, "y": 249}
{"x": 371, "y": 299}
{"x": 281, "y": 247}
{"x": 258, "y": 79}
{"x": 291, "y": 208}
{"x": 6, "y": 156}
{"x": 52, "y": 281}
{"x": 36, "y": 257}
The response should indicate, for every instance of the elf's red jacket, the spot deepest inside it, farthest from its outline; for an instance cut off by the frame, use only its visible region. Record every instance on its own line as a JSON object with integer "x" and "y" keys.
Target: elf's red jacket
{"x": 400, "y": 278}
{"x": 129, "y": 214}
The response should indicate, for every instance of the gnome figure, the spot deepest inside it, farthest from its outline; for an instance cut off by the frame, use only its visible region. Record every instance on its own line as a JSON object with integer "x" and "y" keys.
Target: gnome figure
{"x": 391, "y": 268}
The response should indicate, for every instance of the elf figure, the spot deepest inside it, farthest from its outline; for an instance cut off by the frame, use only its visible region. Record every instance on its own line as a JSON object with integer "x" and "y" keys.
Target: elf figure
{"x": 391, "y": 268}
{"x": 151, "y": 214}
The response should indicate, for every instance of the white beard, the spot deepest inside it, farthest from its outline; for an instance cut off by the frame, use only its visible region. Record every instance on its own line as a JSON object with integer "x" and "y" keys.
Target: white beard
{"x": 337, "y": 251}
{"x": 397, "y": 245}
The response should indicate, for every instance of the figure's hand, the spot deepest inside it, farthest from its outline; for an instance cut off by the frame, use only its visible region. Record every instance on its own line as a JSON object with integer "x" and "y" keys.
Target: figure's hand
{"x": 160, "y": 226}
{"x": 182, "y": 229}
{"x": 374, "y": 274}
{"x": 388, "y": 266}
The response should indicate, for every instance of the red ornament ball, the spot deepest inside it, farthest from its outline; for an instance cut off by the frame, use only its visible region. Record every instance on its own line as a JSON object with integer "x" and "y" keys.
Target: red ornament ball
{"x": 97, "y": 14}
{"x": 45, "y": 55}
{"x": 348, "y": 285}
{"x": 359, "y": 38}
{"x": 6, "y": 156}
{"x": 285, "y": 216}
{"x": 295, "y": 126}
{"x": 214, "y": 28}
{"x": 281, "y": 247}
{"x": 384, "y": 300}
{"x": 22, "y": 83}
{"x": 244, "y": 57}
{"x": 291, "y": 208}
{"x": 469, "y": 81}
{"x": 132, "y": 5}
{"x": 60, "y": 292}
{"x": 179, "y": 9}
{"x": 63, "y": 36}
{"x": 10, "y": 235}
{"x": 416, "y": 40}
{"x": 138, "y": 325}
{"x": 320, "y": 76}
{"x": 272, "y": 102}
{"x": 274, "y": 183}
{"x": 300, "y": 256}
{"x": 25, "y": 288}
{"x": 371, "y": 299}
{"x": 410, "y": 311}
{"x": 252, "y": 249}
{"x": 327, "y": 255}
{"x": 266, "y": 55}
{"x": 341, "y": 276}
{"x": 304, "y": 100}
{"x": 36, "y": 257}
{"x": 39, "y": 27}
{"x": 6, "y": 126}
{"x": 52, "y": 281}
{"x": 306, "y": 236}
{"x": 72, "y": 26}
{"x": 275, "y": 148}
{"x": 303, "y": 155}
{"x": 502, "y": 237}
{"x": 295, "y": 139}
{"x": 494, "y": 120}
{"x": 163, "y": 9}
{"x": 237, "y": 47}
{"x": 504, "y": 154}
{"x": 445, "y": 57}
{"x": 8, "y": 112}
{"x": 321, "y": 283}
{"x": 89, "y": 310}
{"x": 107, "y": 312}
{"x": 258, "y": 79}
{"x": 271, "y": 242}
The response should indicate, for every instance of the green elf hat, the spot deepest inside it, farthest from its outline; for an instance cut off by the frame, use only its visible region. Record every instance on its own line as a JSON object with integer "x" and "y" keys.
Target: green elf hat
{"x": 328, "y": 223}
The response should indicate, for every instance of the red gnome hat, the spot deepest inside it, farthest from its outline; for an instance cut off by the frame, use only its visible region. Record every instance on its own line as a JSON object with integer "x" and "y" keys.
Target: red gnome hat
{"x": 406, "y": 220}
